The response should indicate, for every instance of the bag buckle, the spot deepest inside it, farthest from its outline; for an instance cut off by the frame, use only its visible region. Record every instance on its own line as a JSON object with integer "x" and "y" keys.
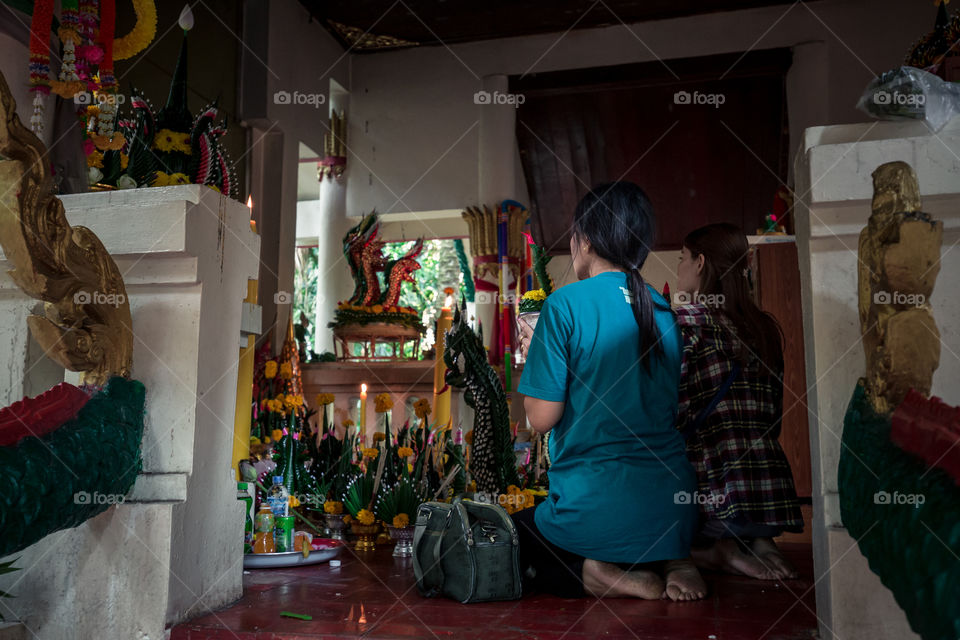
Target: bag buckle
{"x": 489, "y": 530}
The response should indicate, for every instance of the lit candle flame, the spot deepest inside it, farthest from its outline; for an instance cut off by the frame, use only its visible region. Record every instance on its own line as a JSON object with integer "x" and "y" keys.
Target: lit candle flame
{"x": 363, "y": 390}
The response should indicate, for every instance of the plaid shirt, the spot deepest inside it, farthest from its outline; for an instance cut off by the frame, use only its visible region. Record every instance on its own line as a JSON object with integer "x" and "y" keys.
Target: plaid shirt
{"x": 741, "y": 468}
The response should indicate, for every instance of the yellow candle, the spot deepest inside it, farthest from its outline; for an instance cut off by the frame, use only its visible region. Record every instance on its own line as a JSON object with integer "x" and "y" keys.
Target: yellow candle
{"x": 362, "y": 422}
{"x": 441, "y": 401}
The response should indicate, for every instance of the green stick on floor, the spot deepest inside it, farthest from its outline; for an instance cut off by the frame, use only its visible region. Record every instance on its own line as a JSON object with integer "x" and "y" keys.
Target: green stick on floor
{"x": 299, "y": 616}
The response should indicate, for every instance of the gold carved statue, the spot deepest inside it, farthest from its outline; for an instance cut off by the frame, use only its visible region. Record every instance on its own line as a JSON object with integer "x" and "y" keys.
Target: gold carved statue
{"x": 86, "y": 323}
{"x": 899, "y": 262}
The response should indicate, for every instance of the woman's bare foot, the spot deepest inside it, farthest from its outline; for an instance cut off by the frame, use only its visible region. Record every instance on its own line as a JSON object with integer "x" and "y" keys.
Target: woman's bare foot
{"x": 684, "y": 582}
{"x": 605, "y": 580}
{"x": 726, "y": 555}
{"x": 768, "y": 552}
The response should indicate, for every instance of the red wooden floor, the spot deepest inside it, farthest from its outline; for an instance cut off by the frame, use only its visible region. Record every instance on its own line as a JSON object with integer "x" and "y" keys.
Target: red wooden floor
{"x": 373, "y": 596}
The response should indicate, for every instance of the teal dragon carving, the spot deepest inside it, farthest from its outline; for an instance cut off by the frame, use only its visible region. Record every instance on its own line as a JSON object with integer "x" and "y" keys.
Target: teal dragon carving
{"x": 492, "y": 462}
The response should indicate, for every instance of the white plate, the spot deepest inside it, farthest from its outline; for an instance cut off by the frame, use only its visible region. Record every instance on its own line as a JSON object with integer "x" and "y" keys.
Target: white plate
{"x": 331, "y": 549}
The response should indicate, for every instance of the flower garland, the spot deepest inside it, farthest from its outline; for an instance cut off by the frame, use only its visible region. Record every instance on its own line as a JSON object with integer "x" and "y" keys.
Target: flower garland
{"x": 89, "y": 53}
{"x": 40, "y": 60}
{"x": 142, "y": 34}
{"x": 68, "y": 84}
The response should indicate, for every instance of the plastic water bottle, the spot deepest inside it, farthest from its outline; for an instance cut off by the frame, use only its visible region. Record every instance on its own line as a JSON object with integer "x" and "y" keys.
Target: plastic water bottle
{"x": 279, "y": 498}
{"x": 244, "y": 495}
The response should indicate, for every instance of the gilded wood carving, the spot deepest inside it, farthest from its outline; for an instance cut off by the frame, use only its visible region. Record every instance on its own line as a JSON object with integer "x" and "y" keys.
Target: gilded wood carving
{"x": 86, "y": 324}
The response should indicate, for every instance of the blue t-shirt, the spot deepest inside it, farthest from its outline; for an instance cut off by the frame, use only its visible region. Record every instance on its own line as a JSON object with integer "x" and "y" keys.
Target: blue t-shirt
{"x": 621, "y": 486}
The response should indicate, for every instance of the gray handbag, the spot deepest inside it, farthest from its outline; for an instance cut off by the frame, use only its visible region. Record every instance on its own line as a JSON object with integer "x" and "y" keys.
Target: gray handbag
{"x": 467, "y": 551}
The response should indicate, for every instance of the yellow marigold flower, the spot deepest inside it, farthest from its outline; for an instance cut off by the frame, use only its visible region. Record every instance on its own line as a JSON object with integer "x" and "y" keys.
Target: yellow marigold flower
{"x": 270, "y": 369}
{"x": 333, "y": 506}
{"x": 383, "y": 402}
{"x": 378, "y": 308}
{"x": 535, "y": 294}
{"x": 409, "y": 468}
{"x": 167, "y": 140}
{"x": 298, "y": 400}
{"x": 324, "y": 398}
{"x": 401, "y": 520}
{"x": 161, "y": 179}
{"x": 276, "y": 434}
{"x": 124, "y": 160}
{"x": 379, "y": 436}
{"x": 254, "y": 440}
{"x": 286, "y": 370}
{"x": 370, "y": 452}
{"x": 404, "y": 452}
{"x": 513, "y": 489}
{"x": 528, "y": 498}
{"x": 280, "y": 398}
{"x": 468, "y": 437}
{"x": 93, "y": 110}
{"x": 348, "y": 423}
{"x": 294, "y": 501}
{"x": 95, "y": 159}
{"x": 348, "y": 518}
{"x": 366, "y": 517}
{"x": 422, "y": 408}
{"x": 179, "y": 178}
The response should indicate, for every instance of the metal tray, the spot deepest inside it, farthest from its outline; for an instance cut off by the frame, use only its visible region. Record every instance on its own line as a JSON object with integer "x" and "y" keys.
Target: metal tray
{"x": 328, "y": 549}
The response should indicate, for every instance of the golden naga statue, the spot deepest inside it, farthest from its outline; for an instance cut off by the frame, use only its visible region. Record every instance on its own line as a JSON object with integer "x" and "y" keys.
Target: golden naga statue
{"x": 899, "y": 262}
{"x": 86, "y": 324}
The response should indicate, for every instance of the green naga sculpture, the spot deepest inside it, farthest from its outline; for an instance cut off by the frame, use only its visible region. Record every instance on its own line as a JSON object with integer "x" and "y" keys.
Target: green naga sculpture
{"x": 492, "y": 462}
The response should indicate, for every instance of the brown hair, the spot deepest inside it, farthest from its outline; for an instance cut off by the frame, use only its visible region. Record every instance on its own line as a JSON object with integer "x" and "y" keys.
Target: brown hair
{"x": 725, "y": 275}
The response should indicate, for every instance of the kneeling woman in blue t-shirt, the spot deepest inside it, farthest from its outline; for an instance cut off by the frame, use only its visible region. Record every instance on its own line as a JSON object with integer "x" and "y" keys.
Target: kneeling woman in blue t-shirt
{"x": 601, "y": 375}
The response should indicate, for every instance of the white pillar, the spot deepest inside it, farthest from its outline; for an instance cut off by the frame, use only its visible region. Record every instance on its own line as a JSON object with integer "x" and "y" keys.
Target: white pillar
{"x": 333, "y": 275}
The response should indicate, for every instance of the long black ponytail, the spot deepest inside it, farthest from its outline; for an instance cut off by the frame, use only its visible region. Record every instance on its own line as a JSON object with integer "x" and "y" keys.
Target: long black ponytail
{"x": 617, "y": 220}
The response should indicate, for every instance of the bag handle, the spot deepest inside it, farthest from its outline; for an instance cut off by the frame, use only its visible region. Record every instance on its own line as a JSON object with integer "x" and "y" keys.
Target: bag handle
{"x": 417, "y": 539}
{"x": 434, "y": 553}
{"x": 691, "y": 429}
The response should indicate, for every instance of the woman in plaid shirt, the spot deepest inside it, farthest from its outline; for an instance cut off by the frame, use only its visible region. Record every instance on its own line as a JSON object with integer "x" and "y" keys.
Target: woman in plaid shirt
{"x": 730, "y": 407}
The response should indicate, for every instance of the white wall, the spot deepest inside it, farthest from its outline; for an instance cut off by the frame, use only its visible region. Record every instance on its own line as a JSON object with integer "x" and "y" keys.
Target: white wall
{"x": 414, "y": 128}
{"x": 304, "y": 58}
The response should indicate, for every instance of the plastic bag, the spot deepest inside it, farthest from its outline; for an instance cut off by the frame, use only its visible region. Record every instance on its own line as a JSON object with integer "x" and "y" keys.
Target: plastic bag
{"x": 908, "y": 93}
